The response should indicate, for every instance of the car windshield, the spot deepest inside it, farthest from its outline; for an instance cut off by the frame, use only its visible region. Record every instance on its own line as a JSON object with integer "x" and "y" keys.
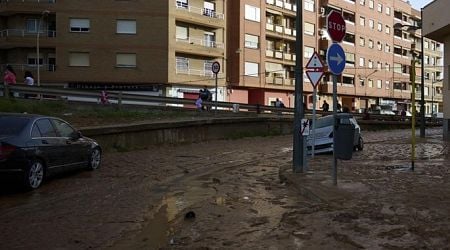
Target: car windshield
{"x": 10, "y": 125}
{"x": 325, "y": 121}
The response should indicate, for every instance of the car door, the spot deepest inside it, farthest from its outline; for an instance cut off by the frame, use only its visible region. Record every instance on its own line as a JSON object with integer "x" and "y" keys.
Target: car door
{"x": 76, "y": 148}
{"x": 48, "y": 144}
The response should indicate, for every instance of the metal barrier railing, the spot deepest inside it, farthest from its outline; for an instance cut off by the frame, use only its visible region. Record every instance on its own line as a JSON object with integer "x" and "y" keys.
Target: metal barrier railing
{"x": 120, "y": 98}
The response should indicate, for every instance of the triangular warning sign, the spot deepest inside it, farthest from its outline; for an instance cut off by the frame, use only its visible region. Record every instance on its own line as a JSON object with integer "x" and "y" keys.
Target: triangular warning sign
{"x": 314, "y": 62}
{"x": 314, "y": 77}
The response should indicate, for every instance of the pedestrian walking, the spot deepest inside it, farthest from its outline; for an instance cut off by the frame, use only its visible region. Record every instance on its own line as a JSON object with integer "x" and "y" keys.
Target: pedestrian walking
{"x": 325, "y": 106}
{"x": 199, "y": 104}
{"x": 9, "y": 78}
{"x": 104, "y": 98}
{"x": 279, "y": 103}
{"x": 206, "y": 96}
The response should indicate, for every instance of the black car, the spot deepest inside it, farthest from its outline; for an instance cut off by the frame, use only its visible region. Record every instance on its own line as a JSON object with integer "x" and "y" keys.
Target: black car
{"x": 34, "y": 147}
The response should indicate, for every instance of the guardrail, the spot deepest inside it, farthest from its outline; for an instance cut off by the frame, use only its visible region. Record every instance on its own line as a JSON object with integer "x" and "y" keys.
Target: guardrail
{"x": 120, "y": 98}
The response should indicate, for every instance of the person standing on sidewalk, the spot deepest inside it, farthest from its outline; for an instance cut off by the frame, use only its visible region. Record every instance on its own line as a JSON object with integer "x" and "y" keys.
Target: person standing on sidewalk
{"x": 9, "y": 78}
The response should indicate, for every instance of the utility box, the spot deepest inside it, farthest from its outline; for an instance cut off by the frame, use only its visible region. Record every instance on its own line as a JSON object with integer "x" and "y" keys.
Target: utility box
{"x": 345, "y": 134}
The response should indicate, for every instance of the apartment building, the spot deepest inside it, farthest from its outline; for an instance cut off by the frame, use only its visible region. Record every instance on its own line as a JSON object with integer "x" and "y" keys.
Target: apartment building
{"x": 167, "y": 48}
{"x": 261, "y": 55}
{"x": 159, "y": 47}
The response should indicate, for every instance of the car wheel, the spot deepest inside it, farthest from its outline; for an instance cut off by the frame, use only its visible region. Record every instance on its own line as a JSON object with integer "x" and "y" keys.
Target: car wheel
{"x": 95, "y": 159}
{"x": 360, "y": 145}
{"x": 34, "y": 175}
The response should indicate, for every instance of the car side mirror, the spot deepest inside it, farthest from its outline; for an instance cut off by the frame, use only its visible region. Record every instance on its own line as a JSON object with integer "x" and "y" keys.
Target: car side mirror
{"x": 76, "y": 135}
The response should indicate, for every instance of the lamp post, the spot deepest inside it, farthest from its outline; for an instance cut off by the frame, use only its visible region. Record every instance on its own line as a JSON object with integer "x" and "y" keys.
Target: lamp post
{"x": 410, "y": 28}
{"x": 38, "y": 64}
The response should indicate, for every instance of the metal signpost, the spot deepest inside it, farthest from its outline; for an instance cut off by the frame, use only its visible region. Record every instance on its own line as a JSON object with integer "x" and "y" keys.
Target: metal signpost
{"x": 336, "y": 64}
{"x": 215, "y": 67}
{"x": 314, "y": 72}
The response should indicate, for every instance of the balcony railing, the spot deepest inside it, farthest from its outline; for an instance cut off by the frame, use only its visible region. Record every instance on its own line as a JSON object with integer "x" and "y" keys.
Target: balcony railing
{"x": 281, "y": 29}
{"x": 27, "y": 1}
{"x": 201, "y": 42}
{"x": 278, "y": 54}
{"x": 196, "y": 72}
{"x": 25, "y": 33}
{"x": 29, "y": 67}
{"x": 200, "y": 11}
{"x": 282, "y": 4}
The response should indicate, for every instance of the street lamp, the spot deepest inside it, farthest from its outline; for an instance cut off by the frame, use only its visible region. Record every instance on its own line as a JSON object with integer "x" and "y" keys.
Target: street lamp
{"x": 399, "y": 26}
{"x": 38, "y": 64}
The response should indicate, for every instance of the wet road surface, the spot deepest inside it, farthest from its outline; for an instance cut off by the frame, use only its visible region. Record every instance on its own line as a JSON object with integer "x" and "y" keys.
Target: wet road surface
{"x": 138, "y": 200}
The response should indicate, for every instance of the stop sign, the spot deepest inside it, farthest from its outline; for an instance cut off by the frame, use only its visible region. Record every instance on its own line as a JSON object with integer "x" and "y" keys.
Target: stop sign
{"x": 336, "y": 26}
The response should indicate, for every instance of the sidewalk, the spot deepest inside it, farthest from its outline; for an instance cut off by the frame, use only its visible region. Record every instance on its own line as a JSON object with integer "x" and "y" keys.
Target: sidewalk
{"x": 378, "y": 201}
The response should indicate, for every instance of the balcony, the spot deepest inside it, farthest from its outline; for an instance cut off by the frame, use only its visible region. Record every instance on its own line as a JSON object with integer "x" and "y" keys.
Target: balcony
{"x": 198, "y": 15}
{"x": 200, "y": 46}
{"x": 282, "y": 4}
{"x": 276, "y": 80}
{"x": 11, "y": 7}
{"x": 281, "y": 55}
{"x": 281, "y": 31}
{"x": 24, "y": 33}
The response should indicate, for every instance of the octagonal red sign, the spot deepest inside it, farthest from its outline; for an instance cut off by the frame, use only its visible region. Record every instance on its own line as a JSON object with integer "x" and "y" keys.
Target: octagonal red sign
{"x": 336, "y": 26}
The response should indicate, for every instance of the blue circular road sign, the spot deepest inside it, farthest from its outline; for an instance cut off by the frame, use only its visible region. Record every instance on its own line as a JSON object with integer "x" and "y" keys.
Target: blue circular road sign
{"x": 336, "y": 59}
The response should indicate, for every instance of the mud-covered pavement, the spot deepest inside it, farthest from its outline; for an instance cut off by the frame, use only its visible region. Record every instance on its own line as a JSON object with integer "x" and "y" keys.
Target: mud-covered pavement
{"x": 138, "y": 200}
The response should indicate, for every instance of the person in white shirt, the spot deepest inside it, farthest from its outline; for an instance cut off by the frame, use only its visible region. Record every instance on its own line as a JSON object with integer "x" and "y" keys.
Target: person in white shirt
{"x": 29, "y": 80}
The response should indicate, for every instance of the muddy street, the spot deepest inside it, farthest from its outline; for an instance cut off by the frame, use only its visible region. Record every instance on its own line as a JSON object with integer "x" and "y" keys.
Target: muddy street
{"x": 228, "y": 194}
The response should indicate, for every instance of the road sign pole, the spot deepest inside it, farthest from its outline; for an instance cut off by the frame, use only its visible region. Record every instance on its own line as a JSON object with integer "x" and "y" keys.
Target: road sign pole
{"x": 334, "y": 128}
{"x": 215, "y": 110}
{"x": 314, "y": 122}
{"x": 298, "y": 151}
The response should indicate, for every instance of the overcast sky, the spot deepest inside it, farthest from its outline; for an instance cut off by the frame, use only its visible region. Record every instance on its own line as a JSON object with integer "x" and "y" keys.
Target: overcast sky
{"x": 417, "y": 4}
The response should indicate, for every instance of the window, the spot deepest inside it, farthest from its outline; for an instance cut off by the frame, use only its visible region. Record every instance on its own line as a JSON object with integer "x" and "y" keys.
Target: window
{"x": 32, "y": 25}
{"x": 371, "y": 23}
{"x": 380, "y": 27}
{"x": 309, "y": 29}
{"x": 126, "y": 60}
{"x": 380, "y": 46}
{"x": 370, "y": 83}
{"x": 362, "y": 21}
{"x": 362, "y": 2}
{"x": 182, "y": 33}
{"x": 209, "y": 9}
{"x": 349, "y": 38}
{"x": 362, "y": 41}
{"x": 251, "y": 69}
{"x": 182, "y": 4}
{"x": 252, "y": 13}
{"x": 380, "y": 8}
{"x": 251, "y": 41}
{"x": 209, "y": 39}
{"x": 64, "y": 129}
{"x": 361, "y": 61}
{"x": 46, "y": 128}
{"x": 387, "y": 84}
{"x": 350, "y": 59}
{"x": 379, "y": 65}
{"x": 32, "y": 59}
{"x": 379, "y": 84}
{"x": 388, "y": 11}
{"x": 182, "y": 65}
{"x": 387, "y": 48}
{"x": 387, "y": 66}
{"x": 308, "y": 52}
{"x": 35, "y": 133}
{"x": 388, "y": 29}
{"x": 79, "y": 25}
{"x": 370, "y": 64}
{"x": 371, "y": 4}
{"x": 309, "y": 5}
{"x": 370, "y": 43}
{"x": 397, "y": 68}
{"x": 126, "y": 27}
{"x": 79, "y": 59}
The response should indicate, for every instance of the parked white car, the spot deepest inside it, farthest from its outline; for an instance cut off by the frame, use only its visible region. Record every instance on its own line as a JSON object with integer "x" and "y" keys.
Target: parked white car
{"x": 324, "y": 133}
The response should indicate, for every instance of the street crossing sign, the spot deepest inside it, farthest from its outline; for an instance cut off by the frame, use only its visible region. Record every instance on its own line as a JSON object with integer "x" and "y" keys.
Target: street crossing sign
{"x": 315, "y": 68}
